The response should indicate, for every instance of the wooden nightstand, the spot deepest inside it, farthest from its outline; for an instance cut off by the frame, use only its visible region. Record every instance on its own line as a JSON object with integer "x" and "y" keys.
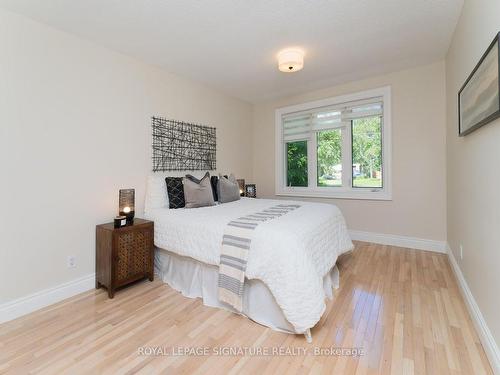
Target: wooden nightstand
{"x": 124, "y": 255}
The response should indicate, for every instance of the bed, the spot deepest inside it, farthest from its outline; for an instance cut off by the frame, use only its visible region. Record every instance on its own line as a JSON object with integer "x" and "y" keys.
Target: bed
{"x": 291, "y": 267}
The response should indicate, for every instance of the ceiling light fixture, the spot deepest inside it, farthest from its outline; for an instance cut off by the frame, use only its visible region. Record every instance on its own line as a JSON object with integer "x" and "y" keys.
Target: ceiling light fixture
{"x": 290, "y": 60}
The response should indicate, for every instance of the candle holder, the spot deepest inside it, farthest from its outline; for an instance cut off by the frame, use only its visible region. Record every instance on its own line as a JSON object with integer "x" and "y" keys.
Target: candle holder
{"x": 241, "y": 184}
{"x": 127, "y": 204}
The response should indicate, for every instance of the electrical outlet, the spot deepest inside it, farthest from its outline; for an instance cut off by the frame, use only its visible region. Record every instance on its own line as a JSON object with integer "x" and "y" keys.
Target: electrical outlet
{"x": 461, "y": 252}
{"x": 71, "y": 261}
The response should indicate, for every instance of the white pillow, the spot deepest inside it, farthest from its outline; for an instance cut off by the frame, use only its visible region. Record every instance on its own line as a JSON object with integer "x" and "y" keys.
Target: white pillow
{"x": 156, "y": 193}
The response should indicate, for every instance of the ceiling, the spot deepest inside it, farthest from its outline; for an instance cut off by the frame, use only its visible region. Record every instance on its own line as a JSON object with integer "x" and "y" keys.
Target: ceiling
{"x": 232, "y": 45}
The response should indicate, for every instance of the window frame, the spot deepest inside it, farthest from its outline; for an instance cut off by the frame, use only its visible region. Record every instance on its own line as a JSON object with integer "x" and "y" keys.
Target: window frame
{"x": 346, "y": 191}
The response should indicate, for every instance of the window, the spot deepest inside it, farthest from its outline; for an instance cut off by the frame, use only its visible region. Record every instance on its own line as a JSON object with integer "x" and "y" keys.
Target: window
{"x": 296, "y": 153}
{"x": 367, "y": 152}
{"x": 338, "y": 147}
{"x": 329, "y": 154}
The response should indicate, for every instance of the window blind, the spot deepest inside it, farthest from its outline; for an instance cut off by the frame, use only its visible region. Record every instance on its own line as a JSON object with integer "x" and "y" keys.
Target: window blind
{"x": 300, "y": 126}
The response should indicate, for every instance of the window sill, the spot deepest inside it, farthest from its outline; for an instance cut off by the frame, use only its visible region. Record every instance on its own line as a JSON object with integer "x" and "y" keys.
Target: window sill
{"x": 362, "y": 195}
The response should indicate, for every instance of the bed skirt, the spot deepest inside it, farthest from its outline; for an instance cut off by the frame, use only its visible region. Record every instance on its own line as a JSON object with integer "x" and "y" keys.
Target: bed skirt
{"x": 195, "y": 279}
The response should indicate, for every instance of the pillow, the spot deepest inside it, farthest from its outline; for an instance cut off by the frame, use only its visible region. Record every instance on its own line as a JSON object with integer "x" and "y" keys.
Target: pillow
{"x": 196, "y": 180}
{"x": 175, "y": 192}
{"x": 228, "y": 189}
{"x": 214, "y": 181}
{"x": 198, "y": 193}
{"x": 156, "y": 193}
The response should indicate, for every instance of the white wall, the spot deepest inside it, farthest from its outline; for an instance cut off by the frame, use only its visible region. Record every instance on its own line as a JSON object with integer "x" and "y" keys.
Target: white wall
{"x": 473, "y": 177}
{"x": 74, "y": 128}
{"x": 418, "y": 207}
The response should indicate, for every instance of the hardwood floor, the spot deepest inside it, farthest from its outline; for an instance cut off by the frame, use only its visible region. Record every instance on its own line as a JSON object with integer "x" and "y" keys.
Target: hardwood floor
{"x": 402, "y": 307}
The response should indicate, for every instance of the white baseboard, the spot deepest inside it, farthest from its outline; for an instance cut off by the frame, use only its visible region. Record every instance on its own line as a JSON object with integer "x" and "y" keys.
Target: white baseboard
{"x": 25, "y": 305}
{"x": 400, "y": 241}
{"x": 489, "y": 344}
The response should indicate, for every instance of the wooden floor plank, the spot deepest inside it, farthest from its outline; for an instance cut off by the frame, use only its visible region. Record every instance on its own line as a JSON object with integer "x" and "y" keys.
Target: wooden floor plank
{"x": 402, "y": 307}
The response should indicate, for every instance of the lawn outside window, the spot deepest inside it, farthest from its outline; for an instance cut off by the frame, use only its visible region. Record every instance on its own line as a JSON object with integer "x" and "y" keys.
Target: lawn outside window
{"x": 338, "y": 147}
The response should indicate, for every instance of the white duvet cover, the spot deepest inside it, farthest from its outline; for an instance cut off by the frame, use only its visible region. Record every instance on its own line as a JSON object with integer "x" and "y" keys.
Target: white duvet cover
{"x": 290, "y": 254}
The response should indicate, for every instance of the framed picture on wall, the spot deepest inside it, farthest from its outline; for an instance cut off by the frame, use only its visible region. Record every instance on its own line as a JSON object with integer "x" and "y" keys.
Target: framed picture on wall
{"x": 479, "y": 99}
{"x": 250, "y": 191}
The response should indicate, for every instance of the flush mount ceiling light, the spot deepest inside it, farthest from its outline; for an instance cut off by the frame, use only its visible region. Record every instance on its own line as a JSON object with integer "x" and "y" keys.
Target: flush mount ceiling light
{"x": 290, "y": 60}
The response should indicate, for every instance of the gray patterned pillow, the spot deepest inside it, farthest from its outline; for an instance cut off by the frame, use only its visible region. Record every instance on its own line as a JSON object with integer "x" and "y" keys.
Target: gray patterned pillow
{"x": 198, "y": 193}
{"x": 228, "y": 189}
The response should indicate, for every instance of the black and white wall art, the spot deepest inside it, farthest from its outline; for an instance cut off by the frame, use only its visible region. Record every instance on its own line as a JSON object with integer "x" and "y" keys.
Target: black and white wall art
{"x": 182, "y": 146}
{"x": 479, "y": 99}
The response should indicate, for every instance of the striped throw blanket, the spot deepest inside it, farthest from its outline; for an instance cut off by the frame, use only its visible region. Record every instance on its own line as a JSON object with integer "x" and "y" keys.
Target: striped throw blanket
{"x": 234, "y": 253}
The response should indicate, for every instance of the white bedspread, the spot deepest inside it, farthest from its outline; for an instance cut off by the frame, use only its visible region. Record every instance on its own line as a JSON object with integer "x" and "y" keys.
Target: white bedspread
{"x": 290, "y": 254}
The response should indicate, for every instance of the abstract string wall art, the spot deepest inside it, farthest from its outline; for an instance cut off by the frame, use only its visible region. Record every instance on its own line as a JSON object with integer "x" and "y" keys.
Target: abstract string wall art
{"x": 181, "y": 146}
